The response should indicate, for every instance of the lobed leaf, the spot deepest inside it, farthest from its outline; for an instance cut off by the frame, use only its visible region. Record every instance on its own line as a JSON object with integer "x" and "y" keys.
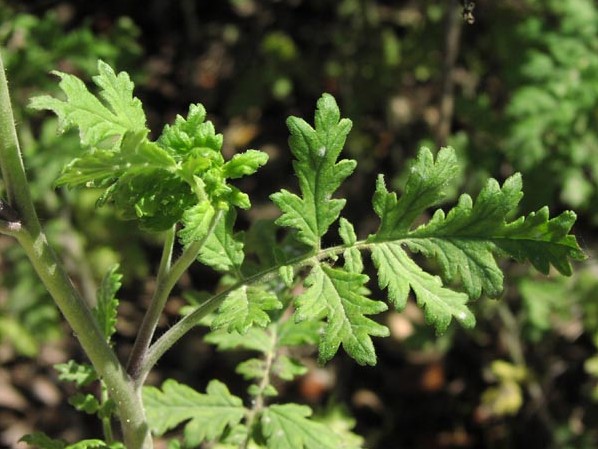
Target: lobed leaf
{"x": 106, "y": 309}
{"x": 464, "y": 242}
{"x": 245, "y": 307}
{"x": 223, "y": 249}
{"x": 288, "y": 426}
{"x": 101, "y": 124}
{"x": 399, "y": 273}
{"x": 319, "y": 173}
{"x": 255, "y": 339}
{"x": 153, "y": 182}
{"x": 77, "y": 373}
{"x": 338, "y": 296}
{"x": 424, "y": 188}
{"x": 197, "y": 221}
{"x": 207, "y": 416}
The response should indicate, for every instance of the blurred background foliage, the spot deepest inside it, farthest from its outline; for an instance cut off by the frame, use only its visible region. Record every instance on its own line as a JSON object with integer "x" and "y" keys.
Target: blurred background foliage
{"x": 517, "y": 90}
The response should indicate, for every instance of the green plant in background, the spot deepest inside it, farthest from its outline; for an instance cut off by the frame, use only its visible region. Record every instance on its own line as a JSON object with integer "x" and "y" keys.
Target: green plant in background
{"x": 32, "y": 46}
{"x": 179, "y": 184}
{"x": 552, "y": 111}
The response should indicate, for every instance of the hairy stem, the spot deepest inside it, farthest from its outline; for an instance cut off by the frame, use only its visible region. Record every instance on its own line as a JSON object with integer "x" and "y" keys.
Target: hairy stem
{"x": 167, "y": 278}
{"x": 259, "y": 401}
{"x": 58, "y": 284}
{"x": 176, "y": 332}
{"x": 106, "y": 421}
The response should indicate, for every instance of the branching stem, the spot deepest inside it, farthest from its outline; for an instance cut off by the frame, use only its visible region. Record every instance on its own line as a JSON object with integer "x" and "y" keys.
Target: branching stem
{"x": 167, "y": 278}
{"x": 50, "y": 270}
{"x": 176, "y": 332}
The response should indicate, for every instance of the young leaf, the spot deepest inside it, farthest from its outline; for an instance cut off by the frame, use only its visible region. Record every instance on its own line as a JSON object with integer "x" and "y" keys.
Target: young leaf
{"x": 100, "y": 124}
{"x": 196, "y": 222}
{"x": 255, "y": 339}
{"x": 245, "y": 307}
{"x": 95, "y": 444}
{"x": 223, "y": 249}
{"x": 153, "y": 182}
{"x": 316, "y": 152}
{"x": 287, "y": 368}
{"x": 208, "y": 415}
{"x": 292, "y": 333}
{"x": 42, "y": 441}
{"x": 288, "y": 426}
{"x": 85, "y": 403}
{"x": 105, "y": 310}
{"x": 80, "y": 374}
{"x": 338, "y": 296}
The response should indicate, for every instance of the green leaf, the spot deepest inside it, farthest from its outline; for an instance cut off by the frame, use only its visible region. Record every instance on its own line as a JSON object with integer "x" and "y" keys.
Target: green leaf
{"x": 255, "y": 339}
{"x": 244, "y": 164}
{"x": 245, "y": 307}
{"x": 252, "y": 369}
{"x": 196, "y": 223}
{"x": 80, "y": 374}
{"x": 102, "y": 167}
{"x": 101, "y": 124}
{"x": 424, "y": 188}
{"x": 95, "y": 444}
{"x": 464, "y": 242}
{"x": 153, "y": 182}
{"x": 292, "y": 333}
{"x": 542, "y": 241}
{"x": 338, "y": 296}
{"x": 316, "y": 152}
{"x": 106, "y": 309}
{"x": 193, "y": 133}
{"x": 398, "y": 272}
{"x": 288, "y": 427}
{"x": 207, "y": 415}
{"x": 287, "y": 368}
{"x": 347, "y": 232}
{"x": 223, "y": 249}
{"x": 87, "y": 403}
{"x": 42, "y": 441}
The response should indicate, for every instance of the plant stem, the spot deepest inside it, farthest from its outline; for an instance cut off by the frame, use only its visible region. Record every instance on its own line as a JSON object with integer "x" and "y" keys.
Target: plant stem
{"x": 176, "y": 332}
{"x": 51, "y": 272}
{"x": 259, "y": 401}
{"x": 106, "y": 421}
{"x": 166, "y": 280}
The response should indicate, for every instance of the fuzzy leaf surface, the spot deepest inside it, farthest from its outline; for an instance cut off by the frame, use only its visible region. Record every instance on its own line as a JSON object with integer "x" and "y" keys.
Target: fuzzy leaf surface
{"x": 223, "y": 249}
{"x": 319, "y": 174}
{"x": 106, "y": 309}
{"x": 288, "y": 426}
{"x": 399, "y": 273}
{"x": 78, "y": 373}
{"x": 338, "y": 296}
{"x": 255, "y": 339}
{"x": 196, "y": 222}
{"x": 245, "y": 307}
{"x": 100, "y": 123}
{"x": 152, "y": 182}
{"x": 464, "y": 242}
{"x": 207, "y": 415}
